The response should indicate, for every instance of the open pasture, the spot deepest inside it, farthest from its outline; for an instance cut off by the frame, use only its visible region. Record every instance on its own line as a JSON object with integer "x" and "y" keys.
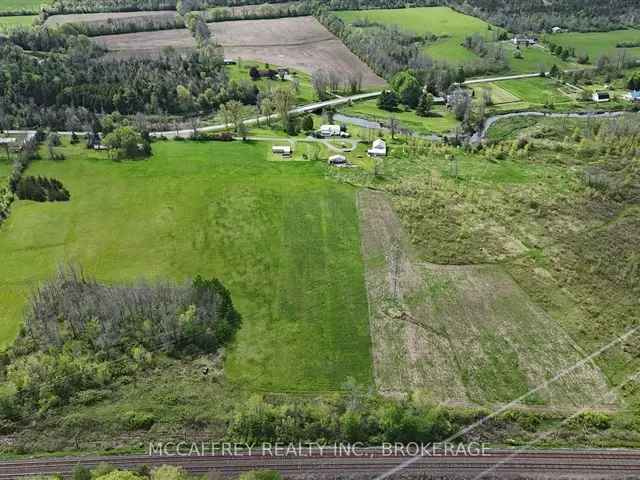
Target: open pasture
{"x": 596, "y": 44}
{"x": 300, "y": 43}
{"x": 7, "y": 23}
{"x": 444, "y": 22}
{"x": 281, "y": 237}
{"x": 534, "y": 59}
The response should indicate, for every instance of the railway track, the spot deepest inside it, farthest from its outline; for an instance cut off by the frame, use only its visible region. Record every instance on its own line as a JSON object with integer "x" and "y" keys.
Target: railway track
{"x": 505, "y": 464}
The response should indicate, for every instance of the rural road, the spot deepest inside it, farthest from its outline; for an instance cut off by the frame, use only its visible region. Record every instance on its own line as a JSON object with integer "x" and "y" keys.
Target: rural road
{"x": 311, "y": 107}
{"x": 601, "y": 464}
{"x": 497, "y": 79}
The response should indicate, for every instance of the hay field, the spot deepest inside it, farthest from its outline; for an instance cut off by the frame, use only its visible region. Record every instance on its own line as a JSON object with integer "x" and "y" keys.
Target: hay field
{"x": 300, "y": 43}
{"x": 463, "y": 334}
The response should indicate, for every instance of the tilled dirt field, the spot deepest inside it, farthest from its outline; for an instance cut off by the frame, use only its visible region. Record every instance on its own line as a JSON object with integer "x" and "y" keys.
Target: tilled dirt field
{"x": 301, "y": 43}
{"x": 115, "y": 17}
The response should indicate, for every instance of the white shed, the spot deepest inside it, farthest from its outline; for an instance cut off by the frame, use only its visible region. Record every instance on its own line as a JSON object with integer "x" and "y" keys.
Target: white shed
{"x": 283, "y": 150}
{"x": 378, "y": 149}
{"x": 330, "y": 130}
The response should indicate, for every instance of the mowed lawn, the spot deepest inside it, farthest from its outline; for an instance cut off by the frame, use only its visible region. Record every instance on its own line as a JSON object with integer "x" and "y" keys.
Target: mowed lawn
{"x": 6, "y": 23}
{"x": 599, "y": 43}
{"x": 441, "y": 21}
{"x": 282, "y": 238}
{"x": 535, "y": 90}
{"x": 441, "y": 120}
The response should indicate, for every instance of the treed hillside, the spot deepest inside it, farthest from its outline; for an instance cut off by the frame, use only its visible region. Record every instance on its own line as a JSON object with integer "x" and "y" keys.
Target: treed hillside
{"x": 540, "y": 15}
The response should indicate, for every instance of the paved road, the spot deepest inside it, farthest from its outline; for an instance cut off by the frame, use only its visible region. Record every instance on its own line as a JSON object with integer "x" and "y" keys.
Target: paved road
{"x": 601, "y": 464}
{"x": 497, "y": 79}
{"x": 311, "y": 107}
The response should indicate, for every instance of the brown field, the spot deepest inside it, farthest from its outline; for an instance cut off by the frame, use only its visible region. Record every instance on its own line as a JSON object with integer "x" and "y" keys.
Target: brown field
{"x": 300, "y": 43}
{"x": 115, "y": 17}
{"x": 423, "y": 316}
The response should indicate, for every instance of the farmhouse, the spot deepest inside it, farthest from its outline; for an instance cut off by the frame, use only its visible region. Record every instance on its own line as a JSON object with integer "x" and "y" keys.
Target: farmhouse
{"x": 526, "y": 41}
{"x": 378, "y": 149}
{"x": 601, "y": 96}
{"x": 283, "y": 150}
{"x": 332, "y": 131}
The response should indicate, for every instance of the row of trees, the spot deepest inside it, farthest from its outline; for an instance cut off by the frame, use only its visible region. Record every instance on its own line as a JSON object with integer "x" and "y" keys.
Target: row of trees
{"x": 42, "y": 189}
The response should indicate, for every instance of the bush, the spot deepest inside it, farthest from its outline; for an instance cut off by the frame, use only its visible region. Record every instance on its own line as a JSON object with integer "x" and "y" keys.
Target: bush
{"x": 590, "y": 421}
{"x": 139, "y": 420}
{"x": 42, "y": 189}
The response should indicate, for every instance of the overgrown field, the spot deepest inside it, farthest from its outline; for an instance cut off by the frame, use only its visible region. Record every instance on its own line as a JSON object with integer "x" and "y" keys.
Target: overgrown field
{"x": 452, "y": 28}
{"x": 282, "y": 238}
{"x": 548, "y": 216}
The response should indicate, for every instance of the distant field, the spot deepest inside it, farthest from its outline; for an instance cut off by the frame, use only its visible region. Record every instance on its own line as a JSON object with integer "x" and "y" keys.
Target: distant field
{"x": 534, "y": 90}
{"x": 438, "y": 20}
{"x": 599, "y": 43}
{"x": 498, "y": 94}
{"x": 6, "y": 23}
{"x": 19, "y": 5}
{"x": 110, "y": 17}
{"x": 534, "y": 60}
{"x": 300, "y": 43}
{"x": 442, "y": 120}
{"x": 283, "y": 239}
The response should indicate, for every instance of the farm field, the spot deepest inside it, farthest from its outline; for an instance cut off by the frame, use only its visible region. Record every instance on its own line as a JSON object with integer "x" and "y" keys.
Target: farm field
{"x": 596, "y": 44}
{"x": 300, "y": 43}
{"x": 442, "y": 21}
{"x": 281, "y": 237}
{"x": 441, "y": 121}
{"x": 535, "y": 90}
{"x": 6, "y": 23}
{"x": 114, "y": 17}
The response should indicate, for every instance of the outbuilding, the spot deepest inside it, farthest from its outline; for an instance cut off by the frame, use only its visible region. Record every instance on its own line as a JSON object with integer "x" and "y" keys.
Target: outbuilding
{"x": 283, "y": 150}
{"x": 337, "y": 160}
{"x": 378, "y": 149}
{"x": 601, "y": 96}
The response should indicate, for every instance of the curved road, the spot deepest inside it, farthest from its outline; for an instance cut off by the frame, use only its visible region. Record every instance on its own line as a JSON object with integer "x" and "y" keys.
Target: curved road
{"x": 601, "y": 464}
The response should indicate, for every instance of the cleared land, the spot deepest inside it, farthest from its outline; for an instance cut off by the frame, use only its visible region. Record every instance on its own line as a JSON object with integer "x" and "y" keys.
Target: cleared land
{"x": 444, "y": 22}
{"x": 282, "y": 238}
{"x": 534, "y": 59}
{"x": 599, "y": 43}
{"x": 441, "y": 120}
{"x": 6, "y": 23}
{"x": 534, "y": 90}
{"x": 300, "y": 43}
{"x": 112, "y": 17}
{"x": 461, "y": 333}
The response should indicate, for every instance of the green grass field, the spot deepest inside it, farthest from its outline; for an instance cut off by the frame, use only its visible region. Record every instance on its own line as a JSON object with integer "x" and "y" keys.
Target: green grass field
{"x": 240, "y": 71}
{"x": 283, "y": 239}
{"x": 534, "y": 60}
{"x": 442, "y": 120}
{"x": 19, "y": 5}
{"x": 6, "y": 23}
{"x": 442, "y": 21}
{"x": 535, "y": 90}
{"x": 599, "y": 43}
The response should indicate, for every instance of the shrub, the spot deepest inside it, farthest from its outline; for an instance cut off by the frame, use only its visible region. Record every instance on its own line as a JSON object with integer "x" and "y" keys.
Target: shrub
{"x": 590, "y": 421}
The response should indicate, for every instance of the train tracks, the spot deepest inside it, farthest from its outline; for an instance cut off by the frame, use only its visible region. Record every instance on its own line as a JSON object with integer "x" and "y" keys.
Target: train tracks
{"x": 601, "y": 464}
